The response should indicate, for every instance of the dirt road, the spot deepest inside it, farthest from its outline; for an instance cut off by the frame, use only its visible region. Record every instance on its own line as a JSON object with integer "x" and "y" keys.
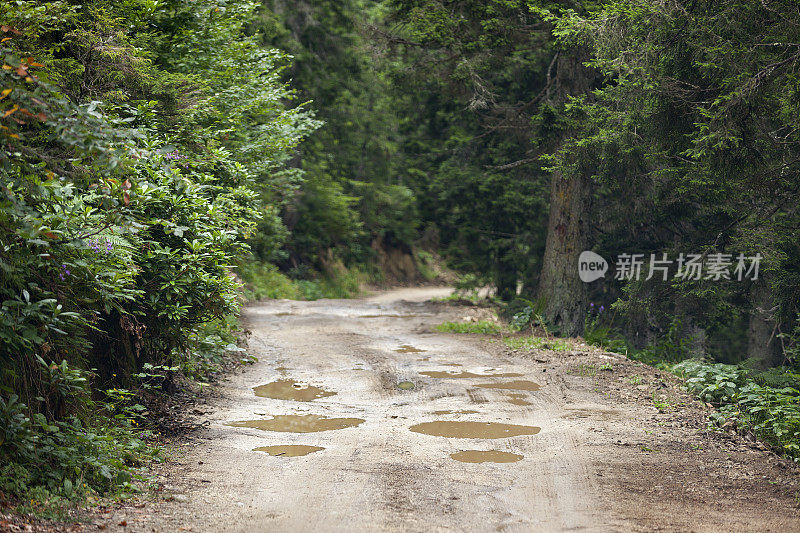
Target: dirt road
{"x": 369, "y": 420}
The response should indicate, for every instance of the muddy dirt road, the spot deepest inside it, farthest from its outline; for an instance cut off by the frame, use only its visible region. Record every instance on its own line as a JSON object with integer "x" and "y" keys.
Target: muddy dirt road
{"x": 360, "y": 417}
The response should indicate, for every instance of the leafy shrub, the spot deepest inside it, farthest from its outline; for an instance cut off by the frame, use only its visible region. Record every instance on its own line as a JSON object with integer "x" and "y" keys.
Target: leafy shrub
{"x": 124, "y": 204}
{"x": 525, "y": 314}
{"x": 772, "y": 414}
{"x": 599, "y": 331}
{"x": 67, "y": 457}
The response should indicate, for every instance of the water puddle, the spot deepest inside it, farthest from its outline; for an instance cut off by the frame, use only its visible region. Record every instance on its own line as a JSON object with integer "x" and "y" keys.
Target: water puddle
{"x": 451, "y": 364}
{"x": 290, "y": 450}
{"x": 456, "y": 375}
{"x": 283, "y": 314}
{"x": 407, "y": 348}
{"x": 462, "y": 412}
{"x": 520, "y": 384}
{"x": 473, "y": 430}
{"x": 298, "y": 423}
{"x": 517, "y": 398}
{"x": 289, "y": 389}
{"x": 486, "y": 456}
{"x": 405, "y": 385}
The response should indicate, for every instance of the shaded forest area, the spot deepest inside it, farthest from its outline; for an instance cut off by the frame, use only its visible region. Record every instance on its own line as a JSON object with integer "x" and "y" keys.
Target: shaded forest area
{"x": 153, "y": 153}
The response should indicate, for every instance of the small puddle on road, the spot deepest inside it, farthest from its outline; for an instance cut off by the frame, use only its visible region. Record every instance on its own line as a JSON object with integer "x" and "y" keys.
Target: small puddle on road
{"x": 517, "y": 398}
{"x": 463, "y": 412}
{"x": 513, "y": 385}
{"x": 405, "y": 385}
{"x": 289, "y": 389}
{"x": 486, "y": 456}
{"x": 473, "y": 430}
{"x": 457, "y": 375}
{"x": 298, "y": 423}
{"x": 407, "y": 348}
{"x": 289, "y": 450}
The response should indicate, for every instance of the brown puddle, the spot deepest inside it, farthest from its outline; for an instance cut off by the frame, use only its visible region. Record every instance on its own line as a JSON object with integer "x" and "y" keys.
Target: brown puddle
{"x": 519, "y": 384}
{"x": 407, "y": 348}
{"x": 473, "y": 430}
{"x": 517, "y": 398}
{"x": 405, "y": 385}
{"x": 486, "y": 456}
{"x": 289, "y": 450}
{"x": 289, "y": 389}
{"x": 298, "y": 423}
{"x": 463, "y": 412}
{"x": 451, "y": 364}
{"x": 454, "y": 375}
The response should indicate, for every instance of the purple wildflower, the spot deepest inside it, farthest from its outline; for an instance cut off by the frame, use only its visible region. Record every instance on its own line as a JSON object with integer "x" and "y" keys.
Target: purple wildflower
{"x": 175, "y": 155}
{"x": 602, "y": 308}
{"x": 64, "y": 272}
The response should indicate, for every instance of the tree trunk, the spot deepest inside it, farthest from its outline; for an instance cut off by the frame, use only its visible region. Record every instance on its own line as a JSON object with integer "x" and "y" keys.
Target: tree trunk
{"x": 562, "y": 289}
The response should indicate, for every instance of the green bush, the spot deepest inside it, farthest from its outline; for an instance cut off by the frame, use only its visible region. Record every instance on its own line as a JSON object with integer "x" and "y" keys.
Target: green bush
{"x": 770, "y": 413}
{"x": 125, "y": 201}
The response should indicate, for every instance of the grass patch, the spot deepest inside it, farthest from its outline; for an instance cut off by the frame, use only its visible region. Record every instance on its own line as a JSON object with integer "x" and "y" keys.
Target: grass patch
{"x": 484, "y": 327}
{"x": 661, "y": 403}
{"x": 264, "y": 281}
{"x": 531, "y": 342}
{"x": 585, "y": 370}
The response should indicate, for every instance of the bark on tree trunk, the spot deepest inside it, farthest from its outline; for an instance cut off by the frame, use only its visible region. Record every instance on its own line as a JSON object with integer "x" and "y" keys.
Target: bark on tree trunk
{"x": 563, "y": 291}
{"x": 570, "y": 197}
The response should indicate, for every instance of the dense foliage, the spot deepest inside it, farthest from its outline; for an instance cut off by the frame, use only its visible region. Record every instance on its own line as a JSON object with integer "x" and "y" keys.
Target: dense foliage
{"x": 142, "y": 142}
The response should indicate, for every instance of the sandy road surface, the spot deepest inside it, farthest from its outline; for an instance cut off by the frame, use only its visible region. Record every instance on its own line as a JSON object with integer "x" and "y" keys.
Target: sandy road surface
{"x": 590, "y": 451}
